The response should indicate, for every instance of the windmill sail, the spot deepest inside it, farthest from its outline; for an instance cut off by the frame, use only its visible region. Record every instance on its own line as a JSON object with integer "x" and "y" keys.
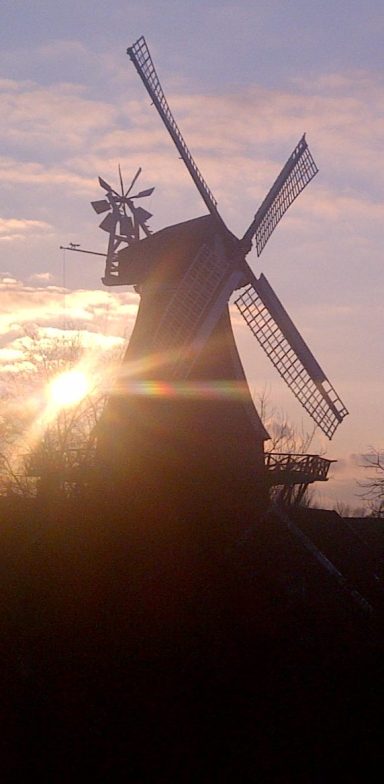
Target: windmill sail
{"x": 141, "y": 58}
{"x": 195, "y": 307}
{"x": 298, "y": 171}
{"x": 283, "y": 344}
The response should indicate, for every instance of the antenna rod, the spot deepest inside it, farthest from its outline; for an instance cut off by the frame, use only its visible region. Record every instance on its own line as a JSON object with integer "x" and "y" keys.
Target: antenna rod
{"x": 80, "y": 250}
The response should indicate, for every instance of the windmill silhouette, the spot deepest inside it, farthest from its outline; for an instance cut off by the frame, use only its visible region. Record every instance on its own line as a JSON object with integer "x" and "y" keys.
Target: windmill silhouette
{"x": 186, "y": 275}
{"x": 258, "y": 303}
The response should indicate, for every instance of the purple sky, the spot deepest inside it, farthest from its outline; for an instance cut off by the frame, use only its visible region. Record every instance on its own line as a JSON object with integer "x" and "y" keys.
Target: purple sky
{"x": 244, "y": 81}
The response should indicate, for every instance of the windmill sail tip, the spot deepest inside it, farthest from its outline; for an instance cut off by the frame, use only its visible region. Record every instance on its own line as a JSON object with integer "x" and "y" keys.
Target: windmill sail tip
{"x": 279, "y": 338}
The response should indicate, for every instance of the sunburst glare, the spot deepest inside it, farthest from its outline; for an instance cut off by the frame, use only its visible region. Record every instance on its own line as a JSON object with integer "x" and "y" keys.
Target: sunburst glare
{"x": 69, "y": 388}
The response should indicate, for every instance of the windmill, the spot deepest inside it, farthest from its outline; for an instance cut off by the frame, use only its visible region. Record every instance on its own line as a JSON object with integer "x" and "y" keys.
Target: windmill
{"x": 186, "y": 274}
{"x": 223, "y": 273}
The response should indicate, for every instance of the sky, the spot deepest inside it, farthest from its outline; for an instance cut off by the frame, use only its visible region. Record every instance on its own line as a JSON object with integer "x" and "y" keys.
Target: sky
{"x": 244, "y": 80}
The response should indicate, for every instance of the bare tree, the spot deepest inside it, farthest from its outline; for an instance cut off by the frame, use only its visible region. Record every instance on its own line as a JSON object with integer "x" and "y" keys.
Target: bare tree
{"x": 41, "y": 448}
{"x": 373, "y": 487}
{"x": 346, "y": 510}
{"x": 285, "y": 439}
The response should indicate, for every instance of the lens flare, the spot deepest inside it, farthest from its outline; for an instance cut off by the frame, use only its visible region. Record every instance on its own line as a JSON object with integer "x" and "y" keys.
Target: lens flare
{"x": 68, "y": 388}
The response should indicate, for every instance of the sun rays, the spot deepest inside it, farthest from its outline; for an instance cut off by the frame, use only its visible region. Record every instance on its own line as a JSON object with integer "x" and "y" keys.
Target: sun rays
{"x": 69, "y": 388}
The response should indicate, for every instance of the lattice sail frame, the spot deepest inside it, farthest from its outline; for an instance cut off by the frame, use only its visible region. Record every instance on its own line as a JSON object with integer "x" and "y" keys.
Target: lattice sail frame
{"x": 191, "y": 299}
{"x": 141, "y": 58}
{"x": 298, "y": 171}
{"x": 288, "y": 352}
{"x": 195, "y": 308}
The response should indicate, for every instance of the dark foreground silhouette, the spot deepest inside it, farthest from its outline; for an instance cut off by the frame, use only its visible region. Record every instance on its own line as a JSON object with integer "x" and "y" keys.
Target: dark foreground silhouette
{"x": 140, "y": 644}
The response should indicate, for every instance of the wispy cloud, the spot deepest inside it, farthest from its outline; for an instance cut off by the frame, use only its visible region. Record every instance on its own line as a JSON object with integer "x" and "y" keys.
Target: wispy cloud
{"x": 61, "y": 117}
{"x": 12, "y": 172}
{"x": 240, "y": 141}
{"x": 338, "y": 109}
{"x": 19, "y": 228}
{"x": 92, "y": 312}
{"x": 41, "y": 276}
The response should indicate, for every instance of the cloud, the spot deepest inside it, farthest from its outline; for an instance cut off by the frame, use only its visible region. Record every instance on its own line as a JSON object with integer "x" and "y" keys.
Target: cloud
{"x": 10, "y": 354}
{"x": 65, "y": 49}
{"x": 37, "y": 174}
{"x": 347, "y": 466}
{"x": 240, "y": 140}
{"x": 41, "y": 276}
{"x": 342, "y": 487}
{"x": 60, "y": 116}
{"x": 24, "y": 352}
{"x": 21, "y": 229}
{"x": 99, "y": 312}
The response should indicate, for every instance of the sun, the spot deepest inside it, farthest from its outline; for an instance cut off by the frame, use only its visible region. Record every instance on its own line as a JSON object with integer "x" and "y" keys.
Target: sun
{"x": 68, "y": 388}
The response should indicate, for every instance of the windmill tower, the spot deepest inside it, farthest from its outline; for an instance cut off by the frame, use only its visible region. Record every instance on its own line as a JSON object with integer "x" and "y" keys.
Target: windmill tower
{"x": 182, "y": 409}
